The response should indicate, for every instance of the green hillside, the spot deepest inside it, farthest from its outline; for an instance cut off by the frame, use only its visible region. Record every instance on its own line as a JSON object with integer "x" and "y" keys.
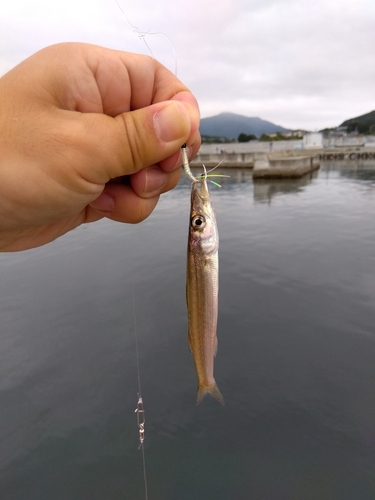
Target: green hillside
{"x": 364, "y": 124}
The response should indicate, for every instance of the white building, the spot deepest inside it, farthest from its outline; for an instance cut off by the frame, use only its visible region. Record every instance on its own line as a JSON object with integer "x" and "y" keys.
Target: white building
{"x": 313, "y": 140}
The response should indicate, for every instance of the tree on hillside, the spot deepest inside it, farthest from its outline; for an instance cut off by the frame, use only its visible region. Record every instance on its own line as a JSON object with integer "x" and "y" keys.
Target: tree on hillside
{"x": 246, "y": 138}
{"x": 360, "y": 127}
{"x": 279, "y": 137}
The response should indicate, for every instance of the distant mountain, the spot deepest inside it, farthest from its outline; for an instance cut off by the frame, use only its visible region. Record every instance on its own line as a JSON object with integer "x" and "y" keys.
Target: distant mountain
{"x": 231, "y": 126}
{"x": 363, "y": 123}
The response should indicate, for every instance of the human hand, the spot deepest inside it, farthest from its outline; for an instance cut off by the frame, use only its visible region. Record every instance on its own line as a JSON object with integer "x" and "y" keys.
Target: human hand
{"x": 86, "y": 133}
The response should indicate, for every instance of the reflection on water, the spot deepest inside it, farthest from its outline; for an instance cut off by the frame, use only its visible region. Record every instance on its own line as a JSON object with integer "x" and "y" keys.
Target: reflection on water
{"x": 353, "y": 169}
{"x": 266, "y": 189}
{"x": 296, "y": 357}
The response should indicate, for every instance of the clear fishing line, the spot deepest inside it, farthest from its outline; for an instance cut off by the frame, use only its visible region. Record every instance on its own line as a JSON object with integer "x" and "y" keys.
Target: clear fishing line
{"x": 140, "y": 406}
{"x": 139, "y": 410}
{"x": 143, "y": 34}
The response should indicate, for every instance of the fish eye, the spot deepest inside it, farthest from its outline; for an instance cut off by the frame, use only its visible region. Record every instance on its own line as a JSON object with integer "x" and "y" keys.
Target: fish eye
{"x": 198, "y": 222}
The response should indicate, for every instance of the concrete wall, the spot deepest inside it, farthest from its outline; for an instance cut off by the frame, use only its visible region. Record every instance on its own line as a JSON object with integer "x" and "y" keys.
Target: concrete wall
{"x": 296, "y": 166}
{"x": 279, "y": 146}
{"x": 245, "y": 159}
{"x": 313, "y": 140}
{"x": 249, "y": 147}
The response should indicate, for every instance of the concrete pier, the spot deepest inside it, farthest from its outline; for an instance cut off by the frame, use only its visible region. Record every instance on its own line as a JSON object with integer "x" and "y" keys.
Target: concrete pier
{"x": 225, "y": 160}
{"x": 284, "y": 166}
{"x": 275, "y": 164}
{"x": 279, "y": 163}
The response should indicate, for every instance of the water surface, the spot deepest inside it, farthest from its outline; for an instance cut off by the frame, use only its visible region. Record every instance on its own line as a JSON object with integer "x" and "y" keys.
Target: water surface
{"x": 296, "y": 358}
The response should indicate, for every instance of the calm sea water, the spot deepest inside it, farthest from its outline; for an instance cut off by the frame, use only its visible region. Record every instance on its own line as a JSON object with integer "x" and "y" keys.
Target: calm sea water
{"x": 296, "y": 358}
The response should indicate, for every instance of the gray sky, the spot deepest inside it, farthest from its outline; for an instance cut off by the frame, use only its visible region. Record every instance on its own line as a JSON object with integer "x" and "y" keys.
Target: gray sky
{"x": 298, "y": 63}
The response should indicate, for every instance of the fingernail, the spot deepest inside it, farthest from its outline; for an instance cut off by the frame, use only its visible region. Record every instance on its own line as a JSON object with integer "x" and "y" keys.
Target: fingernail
{"x": 105, "y": 203}
{"x": 171, "y": 122}
{"x": 155, "y": 179}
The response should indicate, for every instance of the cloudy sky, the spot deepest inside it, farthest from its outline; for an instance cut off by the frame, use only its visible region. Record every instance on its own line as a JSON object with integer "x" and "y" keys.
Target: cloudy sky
{"x": 298, "y": 63}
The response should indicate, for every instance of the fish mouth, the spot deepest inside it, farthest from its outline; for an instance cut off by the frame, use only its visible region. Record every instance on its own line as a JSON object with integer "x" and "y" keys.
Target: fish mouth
{"x": 200, "y": 189}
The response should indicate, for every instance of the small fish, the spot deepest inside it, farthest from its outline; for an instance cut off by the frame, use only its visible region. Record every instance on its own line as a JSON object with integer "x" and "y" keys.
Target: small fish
{"x": 202, "y": 287}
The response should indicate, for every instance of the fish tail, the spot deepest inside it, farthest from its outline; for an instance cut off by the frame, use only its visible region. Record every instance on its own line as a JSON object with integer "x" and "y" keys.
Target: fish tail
{"x": 213, "y": 390}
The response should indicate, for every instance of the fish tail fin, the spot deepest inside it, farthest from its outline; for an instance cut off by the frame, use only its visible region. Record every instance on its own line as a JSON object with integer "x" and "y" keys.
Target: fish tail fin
{"x": 213, "y": 390}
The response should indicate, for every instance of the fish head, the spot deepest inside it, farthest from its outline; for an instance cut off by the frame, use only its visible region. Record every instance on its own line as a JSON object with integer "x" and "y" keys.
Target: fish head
{"x": 203, "y": 234}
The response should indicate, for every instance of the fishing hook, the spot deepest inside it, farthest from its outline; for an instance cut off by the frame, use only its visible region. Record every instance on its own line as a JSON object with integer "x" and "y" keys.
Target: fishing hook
{"x": 185, "y": 162}
{"x": 205, "y": 174}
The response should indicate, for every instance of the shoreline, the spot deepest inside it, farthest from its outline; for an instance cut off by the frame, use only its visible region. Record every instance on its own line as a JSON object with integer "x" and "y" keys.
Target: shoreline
{"x": 249, "y": 158}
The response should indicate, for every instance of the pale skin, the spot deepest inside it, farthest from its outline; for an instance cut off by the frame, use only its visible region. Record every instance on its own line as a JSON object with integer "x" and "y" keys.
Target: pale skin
{"x": 86, "y": 133}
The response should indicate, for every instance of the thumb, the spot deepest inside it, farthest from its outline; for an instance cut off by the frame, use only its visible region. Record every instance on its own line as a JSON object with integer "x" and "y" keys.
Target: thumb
{"x": 138, "y": 139}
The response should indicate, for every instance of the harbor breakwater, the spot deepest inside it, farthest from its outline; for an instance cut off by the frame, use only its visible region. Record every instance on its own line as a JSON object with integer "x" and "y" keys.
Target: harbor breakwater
{"x": 277, "y": 164}
{"x": 282, "y": 163}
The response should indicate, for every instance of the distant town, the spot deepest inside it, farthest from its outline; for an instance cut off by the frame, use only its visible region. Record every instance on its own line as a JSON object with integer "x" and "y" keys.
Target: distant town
{"x": 273, "y": 151}
{"x": 232, "y": 128}
{"x": 294, "y": 135}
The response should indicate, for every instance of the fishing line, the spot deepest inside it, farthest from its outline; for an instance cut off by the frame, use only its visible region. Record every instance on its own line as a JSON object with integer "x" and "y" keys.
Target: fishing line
{"x": 205, "y": 174}
{"x": 140, "y": 407}
{"x": 143, "y": 34}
